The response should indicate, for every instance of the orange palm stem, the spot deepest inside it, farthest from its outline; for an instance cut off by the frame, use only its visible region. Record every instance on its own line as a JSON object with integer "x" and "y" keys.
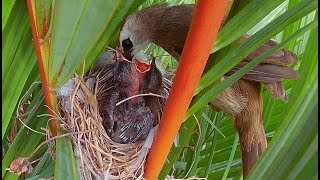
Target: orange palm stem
{"x": 45, "y": 87}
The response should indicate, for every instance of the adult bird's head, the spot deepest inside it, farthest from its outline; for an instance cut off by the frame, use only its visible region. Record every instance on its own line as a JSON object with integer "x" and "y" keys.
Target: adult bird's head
{"x": 133, "y": 37}
{"x": 160, "y": 24}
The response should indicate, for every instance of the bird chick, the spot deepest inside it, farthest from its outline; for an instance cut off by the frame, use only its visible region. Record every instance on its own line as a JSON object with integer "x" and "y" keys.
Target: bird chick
{"x": 131, "y": 120}
{"x": 153, "y": 84}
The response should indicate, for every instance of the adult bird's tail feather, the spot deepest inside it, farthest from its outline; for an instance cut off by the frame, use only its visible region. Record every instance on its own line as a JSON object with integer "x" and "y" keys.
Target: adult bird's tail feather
{"x": 249, "y": 125}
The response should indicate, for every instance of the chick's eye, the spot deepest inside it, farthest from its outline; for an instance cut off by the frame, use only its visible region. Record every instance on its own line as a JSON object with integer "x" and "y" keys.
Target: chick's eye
{"x": 127, "y": 44}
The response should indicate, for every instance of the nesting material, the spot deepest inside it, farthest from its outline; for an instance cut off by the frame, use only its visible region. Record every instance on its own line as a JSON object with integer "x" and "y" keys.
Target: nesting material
{"x": 97, "y": 155}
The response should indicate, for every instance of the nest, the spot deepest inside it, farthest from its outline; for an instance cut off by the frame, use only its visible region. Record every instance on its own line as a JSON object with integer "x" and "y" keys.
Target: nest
{"x": 97, "y": 155}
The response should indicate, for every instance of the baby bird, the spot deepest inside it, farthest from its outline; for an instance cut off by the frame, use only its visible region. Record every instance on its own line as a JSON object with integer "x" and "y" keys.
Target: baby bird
{"x": 129, "y": 121}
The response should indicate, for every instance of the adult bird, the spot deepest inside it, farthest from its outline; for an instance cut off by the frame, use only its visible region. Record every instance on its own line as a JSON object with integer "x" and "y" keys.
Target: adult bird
{"x": 168, "y": 26}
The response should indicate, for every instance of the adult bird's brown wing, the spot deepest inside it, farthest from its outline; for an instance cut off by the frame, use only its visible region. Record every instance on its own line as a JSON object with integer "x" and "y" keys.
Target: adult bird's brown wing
{"x": 271, "y": 70}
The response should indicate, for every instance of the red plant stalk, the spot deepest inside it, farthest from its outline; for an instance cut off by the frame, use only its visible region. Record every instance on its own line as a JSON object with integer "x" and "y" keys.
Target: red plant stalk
{"x": 204, "y": 27}
{"x": 45, "y": 87}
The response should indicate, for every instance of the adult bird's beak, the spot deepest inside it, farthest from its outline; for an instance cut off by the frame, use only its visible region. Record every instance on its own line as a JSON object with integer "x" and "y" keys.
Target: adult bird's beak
{"x": 127, "y": 53}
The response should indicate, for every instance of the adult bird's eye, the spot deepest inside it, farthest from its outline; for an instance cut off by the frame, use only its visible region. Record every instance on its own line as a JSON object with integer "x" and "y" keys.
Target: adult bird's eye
{"x": 127, "y": 44}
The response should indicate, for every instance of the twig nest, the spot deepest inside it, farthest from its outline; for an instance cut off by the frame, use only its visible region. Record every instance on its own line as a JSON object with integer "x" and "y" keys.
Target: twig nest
{"x": 89, "y": 104}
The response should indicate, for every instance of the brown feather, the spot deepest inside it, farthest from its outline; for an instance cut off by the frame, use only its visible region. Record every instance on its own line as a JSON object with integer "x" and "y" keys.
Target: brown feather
{"x": 269, "y": 70}
{"x": 249, "y": 125}
{"x": 282, "y": 57}
{"x": 277, "y": 91}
